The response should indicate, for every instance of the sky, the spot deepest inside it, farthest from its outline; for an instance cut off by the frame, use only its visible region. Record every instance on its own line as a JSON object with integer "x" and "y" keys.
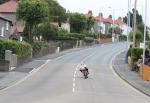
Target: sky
{"x": 114, "y": 7}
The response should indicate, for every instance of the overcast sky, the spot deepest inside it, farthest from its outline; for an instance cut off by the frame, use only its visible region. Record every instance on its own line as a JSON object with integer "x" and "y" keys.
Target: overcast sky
{"x": 114, "y": 7}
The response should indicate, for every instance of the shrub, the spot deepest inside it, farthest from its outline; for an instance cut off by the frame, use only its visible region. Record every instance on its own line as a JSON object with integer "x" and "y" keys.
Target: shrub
{"x": 135, "y": 53}
{"x": 138, "y": 36}
{"x": 39, "y": 46}
{"x": 65, "y": 37}
{"x": 89, "y": 40}
{"x": 47, "y": 31}
{"x": 22, "y": 49}
{"x": 77, "y": 35}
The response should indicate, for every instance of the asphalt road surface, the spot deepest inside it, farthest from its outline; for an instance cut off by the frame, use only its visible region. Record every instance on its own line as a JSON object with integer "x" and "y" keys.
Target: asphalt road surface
{"x": 60, "y": 81}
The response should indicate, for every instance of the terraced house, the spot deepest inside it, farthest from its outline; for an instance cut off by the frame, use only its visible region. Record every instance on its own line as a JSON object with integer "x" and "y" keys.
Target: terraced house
{"x": 102, "y": 25}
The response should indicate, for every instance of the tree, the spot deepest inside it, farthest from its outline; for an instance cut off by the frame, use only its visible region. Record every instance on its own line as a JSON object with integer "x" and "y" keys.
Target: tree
{"x": 56, "y": 12}
{"x": 47, "y": 31}
{"x": 117, "y": 30}
{"x": 32, "y": 12}
{"x": 90, "y": 22}
{"x": 138, "y": 35}
{"x": 139, "y": 19}
{"x": 78, "y": 22}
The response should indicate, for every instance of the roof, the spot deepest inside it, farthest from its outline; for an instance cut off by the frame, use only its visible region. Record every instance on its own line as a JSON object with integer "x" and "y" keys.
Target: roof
{"x": 17, "y": 29}
{"x": 99, "y": 18}
{"x": 8, "y": 7}
{"x": 109, "y": 20}
{"x": 4, "y": 18}
{"x": 119, "y": 21}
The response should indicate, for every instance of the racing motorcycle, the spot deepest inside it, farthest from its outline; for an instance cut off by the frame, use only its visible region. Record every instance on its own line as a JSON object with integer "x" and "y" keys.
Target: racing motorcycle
{"x": 85, "y": 72}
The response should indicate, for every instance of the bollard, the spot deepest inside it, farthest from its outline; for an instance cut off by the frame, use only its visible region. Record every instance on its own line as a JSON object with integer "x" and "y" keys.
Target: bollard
{"x": 8, "y": 57}
{"x": 58, "y": 50}
{"x": 14, "y": 60}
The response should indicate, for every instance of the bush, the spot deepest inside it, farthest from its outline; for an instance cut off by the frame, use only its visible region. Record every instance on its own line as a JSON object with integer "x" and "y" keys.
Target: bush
{"x": 138, "y": 36}
{"x": 135, "y": 53}
{"x": 39, "y": 46}
{"x": 77, "y": 35}
{"x": 22, "y": 49}
{"x": 47, "y": 31}
{"x": 65, "y": 37}
{"x": 89, "y": 40}
{"x": 148, "y": 44}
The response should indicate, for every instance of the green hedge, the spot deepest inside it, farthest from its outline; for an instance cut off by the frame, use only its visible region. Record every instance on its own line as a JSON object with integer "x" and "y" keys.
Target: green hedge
{"x": 135, "y": 53}
{"x": 77, "y": 35}
{"x": 65, "y": 37}
{"x": 39, "y": 46}
{"x": 88, "y": 40}
{"x": 22, "y": 49}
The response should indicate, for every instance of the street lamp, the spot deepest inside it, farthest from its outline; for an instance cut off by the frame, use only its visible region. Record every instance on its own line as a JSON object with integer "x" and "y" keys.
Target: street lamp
{"x": 134, "y": 30}
{"x": 128, "y": 21}
{"x": 113, "y": 25}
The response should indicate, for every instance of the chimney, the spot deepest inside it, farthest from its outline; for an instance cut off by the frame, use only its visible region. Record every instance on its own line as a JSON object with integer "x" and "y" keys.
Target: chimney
{"x": 110, "y": 16}
{"x": 90, "y": 12}
{"x": 100, "y": 14}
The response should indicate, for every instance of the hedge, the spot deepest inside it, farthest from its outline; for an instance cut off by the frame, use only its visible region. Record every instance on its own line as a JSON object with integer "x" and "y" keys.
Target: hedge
{"x": 88, "y": 40}
{"x": 77, "y": 35}
{"x": 39, "y": 46}
{"x": 22, "y": 49}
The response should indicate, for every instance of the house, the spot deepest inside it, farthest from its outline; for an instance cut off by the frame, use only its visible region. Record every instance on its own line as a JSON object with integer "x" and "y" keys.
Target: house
{"x": 102, "y": 25}
{"x": 108, "y": 24}
{"x": 8, "y": 10}
{"x": 99, "y": 25}
{"x": 64, "y": 25}
{"x": 5, "y": 27}
{"x": 119, "y": 22}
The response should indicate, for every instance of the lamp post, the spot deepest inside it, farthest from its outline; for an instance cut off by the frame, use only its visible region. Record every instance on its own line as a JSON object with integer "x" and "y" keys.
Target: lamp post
{"x": 113, "y": 18}
{"x": 113, "y": 25}
{"x": 128, "y": 20}
{"x": 134, "y": 30}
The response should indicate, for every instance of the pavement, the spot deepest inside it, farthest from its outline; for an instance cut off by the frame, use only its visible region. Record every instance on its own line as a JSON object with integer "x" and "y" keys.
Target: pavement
{"x": 131, "y": 77}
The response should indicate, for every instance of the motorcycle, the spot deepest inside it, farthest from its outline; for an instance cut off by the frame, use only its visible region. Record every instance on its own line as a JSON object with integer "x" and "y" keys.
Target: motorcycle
{"x": 85, "y": 73}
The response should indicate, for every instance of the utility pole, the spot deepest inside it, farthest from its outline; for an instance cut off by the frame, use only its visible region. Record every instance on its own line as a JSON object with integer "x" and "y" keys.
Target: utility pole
{"x": 128, "y": 20}
{"x": 145, "y": 28}
{"x": 134, "y": 30}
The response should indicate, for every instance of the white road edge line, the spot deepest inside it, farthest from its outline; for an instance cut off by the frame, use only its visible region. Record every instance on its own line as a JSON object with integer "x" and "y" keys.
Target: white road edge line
{"x": 26, "y": 77}
{"x": 127, "y": 84}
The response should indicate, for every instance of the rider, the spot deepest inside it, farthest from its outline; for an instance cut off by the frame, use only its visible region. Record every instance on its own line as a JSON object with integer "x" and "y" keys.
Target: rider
{"x": 84, "y": 67}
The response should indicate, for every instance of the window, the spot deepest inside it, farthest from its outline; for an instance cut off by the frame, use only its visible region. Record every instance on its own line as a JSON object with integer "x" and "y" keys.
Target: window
{"x": 7, "y": 25}
{"x": 2, "y": 31}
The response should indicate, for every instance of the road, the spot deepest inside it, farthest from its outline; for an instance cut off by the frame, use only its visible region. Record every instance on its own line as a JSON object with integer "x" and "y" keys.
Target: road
{"x": 60, "y": 81}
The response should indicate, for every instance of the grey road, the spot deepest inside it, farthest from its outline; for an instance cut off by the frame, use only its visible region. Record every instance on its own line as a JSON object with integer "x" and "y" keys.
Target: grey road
{"x": 60, "y": 81}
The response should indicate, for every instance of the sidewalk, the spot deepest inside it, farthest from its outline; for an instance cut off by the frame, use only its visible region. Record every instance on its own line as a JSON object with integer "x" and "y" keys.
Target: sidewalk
{"x": 9, "y": 78}
{"x": 131, "y": 77}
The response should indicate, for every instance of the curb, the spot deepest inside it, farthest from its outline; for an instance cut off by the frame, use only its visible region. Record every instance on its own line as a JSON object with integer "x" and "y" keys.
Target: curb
{"x": 127, "y": 81}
